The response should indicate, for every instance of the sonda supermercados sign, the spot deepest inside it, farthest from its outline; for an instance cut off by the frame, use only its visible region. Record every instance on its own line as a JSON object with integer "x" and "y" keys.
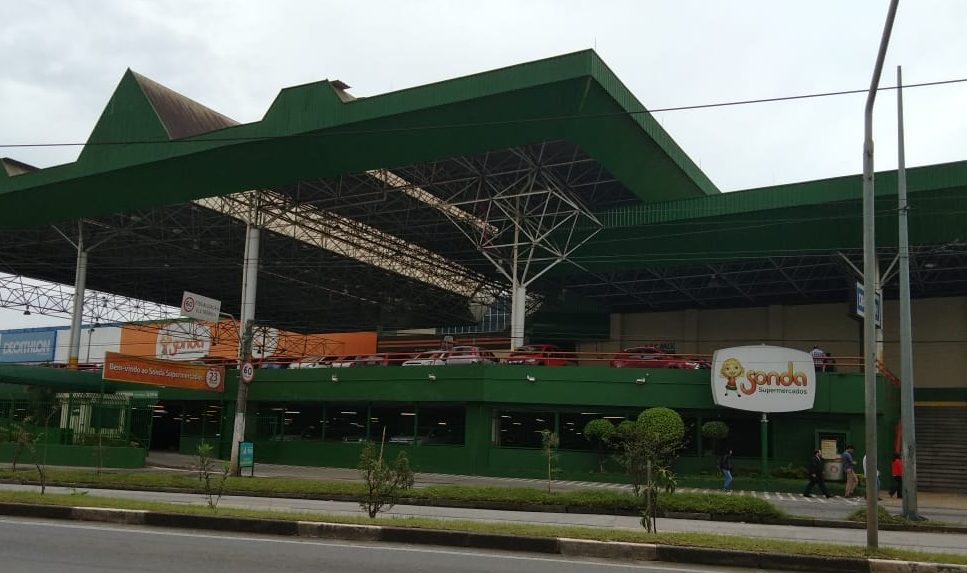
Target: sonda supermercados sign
{"x": 763, "y": 379}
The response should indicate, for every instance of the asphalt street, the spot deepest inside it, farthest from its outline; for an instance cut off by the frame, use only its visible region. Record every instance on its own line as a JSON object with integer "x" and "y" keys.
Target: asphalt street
{"x": 940, "y": 542}
{"x": 39, "y": 546}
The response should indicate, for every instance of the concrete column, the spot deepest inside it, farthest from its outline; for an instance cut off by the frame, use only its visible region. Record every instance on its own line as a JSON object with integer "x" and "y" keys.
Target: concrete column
{"x": 518, "y": 307}
{"x": 615, "y": 333}
{"x": 777, "y": 334}
{"x": 77, "y": 314}
{"x": 690, "y": 334}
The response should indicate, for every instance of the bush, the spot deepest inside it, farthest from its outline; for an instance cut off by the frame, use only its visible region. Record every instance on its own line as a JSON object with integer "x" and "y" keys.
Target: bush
{"x": 662, "y": 424}
{"x": 791, "y": 471}
{"x": 717, "y": 504}
{"x": 715, "y": 430}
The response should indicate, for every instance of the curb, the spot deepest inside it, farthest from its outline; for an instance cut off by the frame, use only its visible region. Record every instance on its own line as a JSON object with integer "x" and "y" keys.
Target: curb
{"x": 634, "y": 552}
{"x": 539, "y": 508}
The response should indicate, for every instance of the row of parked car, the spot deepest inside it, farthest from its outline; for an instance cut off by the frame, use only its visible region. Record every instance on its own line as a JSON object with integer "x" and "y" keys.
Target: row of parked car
{"x": 531, "y": 355}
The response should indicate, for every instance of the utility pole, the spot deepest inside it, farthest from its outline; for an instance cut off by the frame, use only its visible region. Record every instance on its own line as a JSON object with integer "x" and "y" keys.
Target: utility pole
{"x": 907, "y": 422}
{"x": 241, "y": 400}
{"x": 869, "y": 290}
{"x": 250, "y": 271}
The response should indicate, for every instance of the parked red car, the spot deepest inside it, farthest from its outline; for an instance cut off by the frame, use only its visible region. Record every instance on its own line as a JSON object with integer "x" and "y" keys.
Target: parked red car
{"x": 655, "y": 357}
{"x": 539, "y": 355}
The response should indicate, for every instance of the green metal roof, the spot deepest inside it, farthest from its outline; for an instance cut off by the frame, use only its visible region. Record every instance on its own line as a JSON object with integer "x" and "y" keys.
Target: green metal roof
{"x": 310, "y": 132}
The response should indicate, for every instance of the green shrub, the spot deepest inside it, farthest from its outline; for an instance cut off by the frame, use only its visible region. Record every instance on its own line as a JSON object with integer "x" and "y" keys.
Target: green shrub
{"x": 791, "y": 471}
{"x": 715, "y": 430}
{"x": 662, "y": 424}
{"x": 717, "y": 504}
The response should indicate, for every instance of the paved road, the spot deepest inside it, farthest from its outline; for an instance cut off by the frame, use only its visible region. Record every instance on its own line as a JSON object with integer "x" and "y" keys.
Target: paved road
{"x": 38, "y": 546}
{"x": 941, "y": 542}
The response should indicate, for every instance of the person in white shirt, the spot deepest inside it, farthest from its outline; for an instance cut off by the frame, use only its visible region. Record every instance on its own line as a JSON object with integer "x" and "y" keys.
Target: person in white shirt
{"x": 819, "y": 357}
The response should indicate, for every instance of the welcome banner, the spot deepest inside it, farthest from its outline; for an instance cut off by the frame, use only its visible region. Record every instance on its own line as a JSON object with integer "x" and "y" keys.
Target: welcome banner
{"x": 138, "y": 370}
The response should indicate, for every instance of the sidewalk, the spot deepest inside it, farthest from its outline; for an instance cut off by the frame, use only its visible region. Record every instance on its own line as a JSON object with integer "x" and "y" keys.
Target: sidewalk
{"x": 944, "y": 507}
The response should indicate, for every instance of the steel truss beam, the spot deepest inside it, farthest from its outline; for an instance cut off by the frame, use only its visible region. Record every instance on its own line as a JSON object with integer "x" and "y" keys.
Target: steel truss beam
{"x": 52, "y": 299}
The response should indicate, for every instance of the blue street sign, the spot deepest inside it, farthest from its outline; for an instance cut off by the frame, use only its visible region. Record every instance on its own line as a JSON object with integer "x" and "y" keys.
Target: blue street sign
{"x": 861, "y": 307}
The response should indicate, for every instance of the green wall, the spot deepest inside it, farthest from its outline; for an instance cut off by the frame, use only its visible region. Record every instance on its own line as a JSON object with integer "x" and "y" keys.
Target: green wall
{"x": 483, "y": 389}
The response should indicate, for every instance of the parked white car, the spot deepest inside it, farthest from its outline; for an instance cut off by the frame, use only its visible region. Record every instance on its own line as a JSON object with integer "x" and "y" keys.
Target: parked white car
{"x": 470, "y": 355}
{"x": 434, "y": 358}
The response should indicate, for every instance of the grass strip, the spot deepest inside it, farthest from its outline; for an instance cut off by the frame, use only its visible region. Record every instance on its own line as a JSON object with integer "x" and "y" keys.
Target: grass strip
{"x": 733, "y": 542}
{"x": 712, "y": 503}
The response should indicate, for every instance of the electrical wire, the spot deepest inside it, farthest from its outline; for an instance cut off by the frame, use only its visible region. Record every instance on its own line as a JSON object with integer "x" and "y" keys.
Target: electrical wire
{"x": 467, "y": 125}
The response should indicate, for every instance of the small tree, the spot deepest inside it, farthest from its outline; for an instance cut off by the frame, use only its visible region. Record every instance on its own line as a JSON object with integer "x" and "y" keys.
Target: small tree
{"x": 716, "y": 431}
{"x": 213, "y": 483}
{"x": 646, "y": 448}
{"x": 384, "y": 483}
{"x": 599, "y": 432}
{"x": 549, "y": 444}
{"x": 632, "y": 453}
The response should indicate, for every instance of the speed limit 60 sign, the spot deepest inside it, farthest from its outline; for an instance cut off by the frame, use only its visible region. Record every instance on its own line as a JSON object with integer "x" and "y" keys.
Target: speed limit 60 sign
{"x": 247, "y": 372}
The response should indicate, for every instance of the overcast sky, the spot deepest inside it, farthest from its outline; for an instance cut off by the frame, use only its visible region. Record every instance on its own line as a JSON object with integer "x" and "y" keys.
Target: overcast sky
{"x": 63, "y": 60}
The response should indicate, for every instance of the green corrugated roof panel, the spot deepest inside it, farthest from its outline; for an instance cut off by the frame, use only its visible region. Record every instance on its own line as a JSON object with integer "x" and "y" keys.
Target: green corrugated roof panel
{"x": 309, "y": 132}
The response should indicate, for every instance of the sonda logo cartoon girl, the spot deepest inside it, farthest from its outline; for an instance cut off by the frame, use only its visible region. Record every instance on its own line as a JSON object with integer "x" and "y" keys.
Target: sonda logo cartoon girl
{"x": 784, "y": 382}
{"x": 183, "y": 341}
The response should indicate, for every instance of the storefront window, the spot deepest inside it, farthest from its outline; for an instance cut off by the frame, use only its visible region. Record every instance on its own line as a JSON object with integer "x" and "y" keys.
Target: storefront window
{"x": 690, "y": 441}
{"x": 398, "y": 423}
{"x": 521, "y": 429}
{"x": 201, "y": 419}
{"x": 441, "y": 425}
{"x": 345, "y": 422}
{"x": 572, "y": 427}
{"x": 744, "y": 436}
{"x": 302, "y": 421}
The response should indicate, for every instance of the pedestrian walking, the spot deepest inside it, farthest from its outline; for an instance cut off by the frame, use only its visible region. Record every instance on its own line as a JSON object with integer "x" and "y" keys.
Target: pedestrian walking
{"x": 816, "y": 475}
{"x": 849, "y": 470}
{"x": 896, "y": 470}
{"x": 725, "y": 464}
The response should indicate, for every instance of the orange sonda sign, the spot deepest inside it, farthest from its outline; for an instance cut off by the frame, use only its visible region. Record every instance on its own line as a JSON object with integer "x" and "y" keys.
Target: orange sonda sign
{"x": 138, "y": 370}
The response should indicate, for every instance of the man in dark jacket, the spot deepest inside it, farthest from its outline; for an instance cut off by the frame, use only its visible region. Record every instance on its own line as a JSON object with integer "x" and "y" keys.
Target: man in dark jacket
{"x": 816, "y": 475}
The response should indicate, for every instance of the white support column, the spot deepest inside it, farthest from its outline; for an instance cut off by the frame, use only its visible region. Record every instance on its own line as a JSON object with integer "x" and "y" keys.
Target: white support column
{"x": 250, "y": 270}
{"x": 518, "y": 308}
{"x": 77, "y": 313}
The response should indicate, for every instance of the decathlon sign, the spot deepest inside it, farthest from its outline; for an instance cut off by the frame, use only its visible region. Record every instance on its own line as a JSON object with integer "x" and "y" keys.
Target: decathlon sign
{"x": 28, "y": 346}
{"x": 763, "y": 379}
{"x": 200, "y": 307}
{"x": 183, "y": 341}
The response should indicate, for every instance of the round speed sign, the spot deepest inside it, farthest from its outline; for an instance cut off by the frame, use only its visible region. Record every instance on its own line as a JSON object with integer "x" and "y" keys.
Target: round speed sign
{"x": 247, "y": 372}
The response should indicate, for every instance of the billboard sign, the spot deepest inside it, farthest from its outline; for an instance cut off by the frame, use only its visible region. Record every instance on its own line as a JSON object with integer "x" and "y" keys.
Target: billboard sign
{"x": 200, "y": 307}
{"x": 183, "y": 341}
{"x": 28, "y": 346}
{"x": 138, "y": 370}
{"x": 763, "y": 379}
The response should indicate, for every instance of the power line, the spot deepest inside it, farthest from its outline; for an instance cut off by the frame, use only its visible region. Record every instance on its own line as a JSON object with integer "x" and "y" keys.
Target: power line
{"x": 335, "y": 131}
